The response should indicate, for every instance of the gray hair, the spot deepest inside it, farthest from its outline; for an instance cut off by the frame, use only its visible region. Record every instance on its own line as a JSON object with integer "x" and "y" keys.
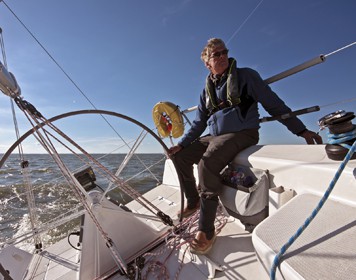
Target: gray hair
{"x": 212, "y": 44}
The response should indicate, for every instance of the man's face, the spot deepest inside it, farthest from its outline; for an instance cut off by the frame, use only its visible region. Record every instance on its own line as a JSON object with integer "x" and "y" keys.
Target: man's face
{"x": 218, "y": 61}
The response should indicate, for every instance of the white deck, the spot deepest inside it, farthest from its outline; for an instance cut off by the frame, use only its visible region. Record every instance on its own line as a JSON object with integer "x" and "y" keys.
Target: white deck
{"x": 325, "y": 250}
{"x": 304, "y": 169}
{"x": 233, "y": 252}
{"x": 60, "y": 261}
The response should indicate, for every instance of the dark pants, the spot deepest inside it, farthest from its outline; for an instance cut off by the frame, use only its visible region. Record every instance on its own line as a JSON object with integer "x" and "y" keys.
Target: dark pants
{"x": 212, "y": 154}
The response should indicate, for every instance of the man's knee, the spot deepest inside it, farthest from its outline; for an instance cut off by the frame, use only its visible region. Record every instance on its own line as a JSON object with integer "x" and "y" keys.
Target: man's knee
{"x": 181, "y": 160}
{"x": 210, "y": 166}
{"x": 209, "y": 175}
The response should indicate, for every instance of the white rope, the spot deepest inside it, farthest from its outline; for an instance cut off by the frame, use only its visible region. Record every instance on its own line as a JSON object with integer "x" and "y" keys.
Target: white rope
{"x": 156, "y": 267}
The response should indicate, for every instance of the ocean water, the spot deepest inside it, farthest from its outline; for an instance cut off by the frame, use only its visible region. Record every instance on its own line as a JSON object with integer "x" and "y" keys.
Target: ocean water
{"x": 54, "y": 197}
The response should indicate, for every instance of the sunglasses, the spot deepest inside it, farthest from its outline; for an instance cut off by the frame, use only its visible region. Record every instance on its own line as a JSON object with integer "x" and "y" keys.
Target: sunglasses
{"x": 218, "y": 54}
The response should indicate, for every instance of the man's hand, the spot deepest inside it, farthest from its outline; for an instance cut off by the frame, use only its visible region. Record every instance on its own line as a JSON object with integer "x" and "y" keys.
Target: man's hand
{"x": 173, "y": 150}
{"x": 311, "y": 137}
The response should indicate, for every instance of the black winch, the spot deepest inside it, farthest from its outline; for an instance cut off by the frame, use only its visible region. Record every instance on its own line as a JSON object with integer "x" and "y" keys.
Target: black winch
{"x": 342, "y": 134}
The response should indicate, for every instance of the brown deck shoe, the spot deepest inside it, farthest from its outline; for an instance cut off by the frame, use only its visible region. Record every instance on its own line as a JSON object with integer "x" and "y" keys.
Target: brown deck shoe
{"x": 201, "y": 245}
{"x": 188, "y": 211}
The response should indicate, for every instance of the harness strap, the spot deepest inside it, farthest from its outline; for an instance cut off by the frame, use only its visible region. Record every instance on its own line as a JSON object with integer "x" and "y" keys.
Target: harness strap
{"x": 232, "y": 91}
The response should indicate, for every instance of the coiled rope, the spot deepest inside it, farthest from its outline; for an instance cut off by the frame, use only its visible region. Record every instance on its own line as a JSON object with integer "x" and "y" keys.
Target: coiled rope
{"x": 341, "y": 138}
{"x": 278, "y": 257}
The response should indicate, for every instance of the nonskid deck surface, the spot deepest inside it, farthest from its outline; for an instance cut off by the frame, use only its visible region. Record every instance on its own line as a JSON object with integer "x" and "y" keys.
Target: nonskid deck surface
{"x": 232, "y": 257}
{"x": 232, "y": 253}
{"x": 59, "y": 261}
{"x": 325, "y": 249}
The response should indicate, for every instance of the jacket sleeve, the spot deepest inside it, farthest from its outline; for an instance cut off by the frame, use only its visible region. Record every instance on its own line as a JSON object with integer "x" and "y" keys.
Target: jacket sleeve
{"x": 272, "y": 103}
{"x": 198, "y": 125}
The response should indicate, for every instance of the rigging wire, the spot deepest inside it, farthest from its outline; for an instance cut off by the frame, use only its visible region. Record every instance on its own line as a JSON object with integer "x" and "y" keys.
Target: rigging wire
{"x": 78, "y": 189}
{"x": 2, "y": 46}
{"x": 78, "y": 88}
{"x": 340, "y": 49}
{"x": 91, "y": 103}
{"x": 290, "y": 72}
{"x": 48, "y": 53}
{"x": 329, "y": 54}
{"x": 243, "y": 23}
{"x": 339, "y": 102}
{"x": 75, "y": 84}
{"x": 33, "y": 115}
{"x": 332, "y": 53}
{"x": 102, "y": 169}
{"x": 31, "y": 205}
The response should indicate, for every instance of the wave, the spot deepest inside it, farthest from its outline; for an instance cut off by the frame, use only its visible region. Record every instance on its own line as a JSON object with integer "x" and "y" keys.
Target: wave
{"x": 53, "y": 196}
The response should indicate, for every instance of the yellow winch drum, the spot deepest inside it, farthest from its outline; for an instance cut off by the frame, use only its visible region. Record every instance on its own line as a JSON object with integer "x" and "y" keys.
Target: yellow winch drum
{"x": 168, "y": 119}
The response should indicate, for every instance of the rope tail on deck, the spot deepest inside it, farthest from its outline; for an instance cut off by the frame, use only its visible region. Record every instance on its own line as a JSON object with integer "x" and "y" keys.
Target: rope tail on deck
{"x": 278, "y": 258}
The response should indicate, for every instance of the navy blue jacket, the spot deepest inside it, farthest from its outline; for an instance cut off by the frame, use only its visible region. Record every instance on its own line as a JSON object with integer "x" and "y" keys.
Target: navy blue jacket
{"x": 253, "y": 90}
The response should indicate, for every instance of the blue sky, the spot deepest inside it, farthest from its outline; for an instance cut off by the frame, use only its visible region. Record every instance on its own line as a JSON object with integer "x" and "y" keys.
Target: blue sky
{"x": 127, "y": 55}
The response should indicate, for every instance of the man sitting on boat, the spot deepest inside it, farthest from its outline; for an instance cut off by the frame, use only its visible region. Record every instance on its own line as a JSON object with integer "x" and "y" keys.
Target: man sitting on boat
{"x": 228, "y": 106}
